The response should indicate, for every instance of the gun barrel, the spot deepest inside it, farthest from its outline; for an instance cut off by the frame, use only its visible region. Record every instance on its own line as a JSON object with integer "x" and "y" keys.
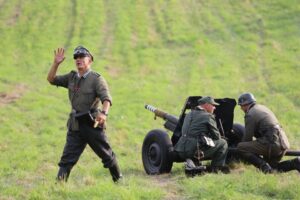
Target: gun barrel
{"x": 171, "y": 120}
{"x": 149, "y": 107}
{"x": 156, "y": 111}
{"x": 290, "y": 152}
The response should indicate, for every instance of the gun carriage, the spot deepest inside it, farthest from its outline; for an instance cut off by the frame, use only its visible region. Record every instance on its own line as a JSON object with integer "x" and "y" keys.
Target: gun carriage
{"x": 157, "y": 150}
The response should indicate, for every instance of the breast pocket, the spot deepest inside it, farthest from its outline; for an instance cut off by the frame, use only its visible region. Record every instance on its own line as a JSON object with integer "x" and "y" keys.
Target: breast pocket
{"x": 71, "y": 89}
{"x": 88, "y": 96}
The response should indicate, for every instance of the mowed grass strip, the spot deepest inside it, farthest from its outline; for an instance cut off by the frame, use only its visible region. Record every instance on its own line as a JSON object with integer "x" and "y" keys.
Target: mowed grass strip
{"x": 150, "y": 52}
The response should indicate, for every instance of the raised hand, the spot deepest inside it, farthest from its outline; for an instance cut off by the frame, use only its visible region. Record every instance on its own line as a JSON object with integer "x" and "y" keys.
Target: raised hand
{"x": 59, "y": 55}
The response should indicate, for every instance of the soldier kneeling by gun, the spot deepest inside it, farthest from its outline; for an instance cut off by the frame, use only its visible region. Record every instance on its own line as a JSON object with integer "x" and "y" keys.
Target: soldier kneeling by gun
{"x": 201, "y": 140}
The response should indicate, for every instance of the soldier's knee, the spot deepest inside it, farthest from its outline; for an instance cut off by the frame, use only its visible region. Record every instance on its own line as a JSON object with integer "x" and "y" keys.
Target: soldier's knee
{"x": 241, "y": 147}
{"x": 223, "y": 143}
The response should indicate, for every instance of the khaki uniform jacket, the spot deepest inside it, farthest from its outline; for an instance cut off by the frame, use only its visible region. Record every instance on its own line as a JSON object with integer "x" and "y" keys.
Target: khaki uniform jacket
{"x": 196, "y": 123}
{"x": 261, "y": 123}
{"x": 83, "y": 92}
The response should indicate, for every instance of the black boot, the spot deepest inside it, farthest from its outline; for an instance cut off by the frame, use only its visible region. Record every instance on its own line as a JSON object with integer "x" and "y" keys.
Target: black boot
{"x": 266, "y": 168}
{"x": 257, "y": 161}
{"x": 63, "y": 174}
{"x": 289, "y": 165}
{"x": 296, "y": 163}
{"x": 115, "y": 173}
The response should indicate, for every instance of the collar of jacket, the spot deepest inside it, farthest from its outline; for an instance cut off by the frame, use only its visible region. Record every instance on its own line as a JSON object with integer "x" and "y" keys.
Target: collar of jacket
{"x": 250, "y": 106}
{"x": 84, "y": 75}
{"x": 199, "y": 108}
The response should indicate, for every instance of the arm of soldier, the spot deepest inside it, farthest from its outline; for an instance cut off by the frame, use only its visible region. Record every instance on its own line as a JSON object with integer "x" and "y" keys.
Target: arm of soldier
{"x": 101, "y": 116}
{"x": 58, "y": 59}
{"x": 103, "y": 93}
{"x": 212, "y": 126}
{"x": 249, "y": 129}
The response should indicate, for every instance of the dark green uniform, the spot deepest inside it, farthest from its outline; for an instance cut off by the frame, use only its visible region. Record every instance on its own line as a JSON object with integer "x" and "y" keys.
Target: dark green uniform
{"x": 199, "y": 123}
{"x": 261, "y": 123}
{"x": 82, "y": 93}
{"x": 271, "y": 141}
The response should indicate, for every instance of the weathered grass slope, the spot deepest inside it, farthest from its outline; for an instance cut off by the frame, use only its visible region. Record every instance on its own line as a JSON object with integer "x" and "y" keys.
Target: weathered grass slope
{"x": 156, "y": 52}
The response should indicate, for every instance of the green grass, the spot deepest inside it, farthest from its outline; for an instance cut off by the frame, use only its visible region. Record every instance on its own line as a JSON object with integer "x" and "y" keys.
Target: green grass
{"x": 154, "y": 52}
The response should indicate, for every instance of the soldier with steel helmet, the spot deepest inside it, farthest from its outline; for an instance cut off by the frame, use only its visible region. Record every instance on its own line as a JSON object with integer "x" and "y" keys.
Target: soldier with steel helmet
{"x": 265, "y": 142}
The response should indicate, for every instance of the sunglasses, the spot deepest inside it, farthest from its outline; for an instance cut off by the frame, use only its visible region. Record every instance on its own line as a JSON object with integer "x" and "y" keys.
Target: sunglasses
{"x": 75, "y": 56}
{"x": 81, "y": 52}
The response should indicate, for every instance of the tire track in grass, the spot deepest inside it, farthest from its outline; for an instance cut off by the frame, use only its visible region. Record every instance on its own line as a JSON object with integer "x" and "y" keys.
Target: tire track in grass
{"x": 268, "y": 72}
{"x": 161, "y": 28}
{"x": 261, "y": 33}
{"x": 261, "y": 57}
{"x": 158, "y": 32}
{"x": 108, "y": 29}
{"x": 265, "y": 73}
{"x": 261, "y": 52}
{"x": 72, "y": 23}
{"x": 15, "y": 15}
{"x": 106, "y": 44}
{"x": 2, "y": 3}
{"x": 158, "y": 24}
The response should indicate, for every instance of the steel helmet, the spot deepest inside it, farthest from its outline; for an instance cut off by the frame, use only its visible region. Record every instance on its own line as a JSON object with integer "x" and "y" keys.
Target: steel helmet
{"x": 246, "y": 98}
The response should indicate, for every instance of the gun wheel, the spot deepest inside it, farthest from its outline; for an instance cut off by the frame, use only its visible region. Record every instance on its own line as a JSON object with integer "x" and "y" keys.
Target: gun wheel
{"x": 156, "y": 147}
{"x": 239, "y": 132}
{"x": 236, "y": 137}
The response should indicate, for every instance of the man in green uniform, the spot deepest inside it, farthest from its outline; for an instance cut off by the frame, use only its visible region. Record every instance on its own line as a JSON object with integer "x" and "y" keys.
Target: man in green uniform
{"x": 86, "y": 123}
{"x": 271, "y": 142}
{"x": 201, "y": 137}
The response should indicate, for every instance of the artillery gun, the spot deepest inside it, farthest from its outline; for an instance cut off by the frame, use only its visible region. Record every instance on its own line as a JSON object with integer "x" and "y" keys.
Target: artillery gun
{"x": 157, "y": 151}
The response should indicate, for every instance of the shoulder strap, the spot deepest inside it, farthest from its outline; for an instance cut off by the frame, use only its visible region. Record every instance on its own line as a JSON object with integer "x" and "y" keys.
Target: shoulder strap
{"x": 96, "y": 73}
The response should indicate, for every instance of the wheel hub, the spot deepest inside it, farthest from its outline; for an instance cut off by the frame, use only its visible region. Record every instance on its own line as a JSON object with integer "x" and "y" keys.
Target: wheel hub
{"x": 154, "y": 154}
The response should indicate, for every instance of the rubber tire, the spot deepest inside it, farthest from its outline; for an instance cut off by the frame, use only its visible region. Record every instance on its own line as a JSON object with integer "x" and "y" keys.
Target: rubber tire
{"x": 155, "y": 150}
{"x": 238, "y": 132}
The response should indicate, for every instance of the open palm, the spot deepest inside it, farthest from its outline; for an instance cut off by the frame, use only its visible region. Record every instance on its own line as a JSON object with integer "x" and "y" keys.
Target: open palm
{"x": 59, "y": 55}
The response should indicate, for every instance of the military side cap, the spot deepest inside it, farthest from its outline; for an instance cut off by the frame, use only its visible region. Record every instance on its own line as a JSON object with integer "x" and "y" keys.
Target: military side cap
{"x": 81, "y": 51}
{"x": 207, "y": 99}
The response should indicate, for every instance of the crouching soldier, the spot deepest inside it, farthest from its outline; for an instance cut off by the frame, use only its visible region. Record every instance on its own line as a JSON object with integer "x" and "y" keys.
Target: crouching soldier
{"x": 84, "y": 87}
{"x": 201, "y": 138}
{"x": 270, "y": 143}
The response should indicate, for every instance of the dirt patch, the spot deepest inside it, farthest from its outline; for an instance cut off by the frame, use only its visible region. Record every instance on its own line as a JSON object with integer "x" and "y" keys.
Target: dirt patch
{"x": 113, "y": 71}
{"x": 15, "y": 15}
{"x": 169, "y": 185}
{"x": 13, "y": 95}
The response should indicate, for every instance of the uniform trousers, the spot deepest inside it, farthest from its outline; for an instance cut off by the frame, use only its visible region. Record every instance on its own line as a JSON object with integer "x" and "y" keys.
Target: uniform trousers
{"x": 76, "y": 142}
{"x": 217, "y": 154}
{"x": 271, "y": 153}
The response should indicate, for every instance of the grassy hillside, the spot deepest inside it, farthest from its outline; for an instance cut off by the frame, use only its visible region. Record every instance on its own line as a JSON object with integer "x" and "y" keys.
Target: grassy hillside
{"x": 157, "y": 52}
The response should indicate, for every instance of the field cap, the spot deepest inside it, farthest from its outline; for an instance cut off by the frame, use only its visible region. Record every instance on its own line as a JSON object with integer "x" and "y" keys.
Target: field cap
{"x": 81, "y": 51}
{"x": 207, "y": 99}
